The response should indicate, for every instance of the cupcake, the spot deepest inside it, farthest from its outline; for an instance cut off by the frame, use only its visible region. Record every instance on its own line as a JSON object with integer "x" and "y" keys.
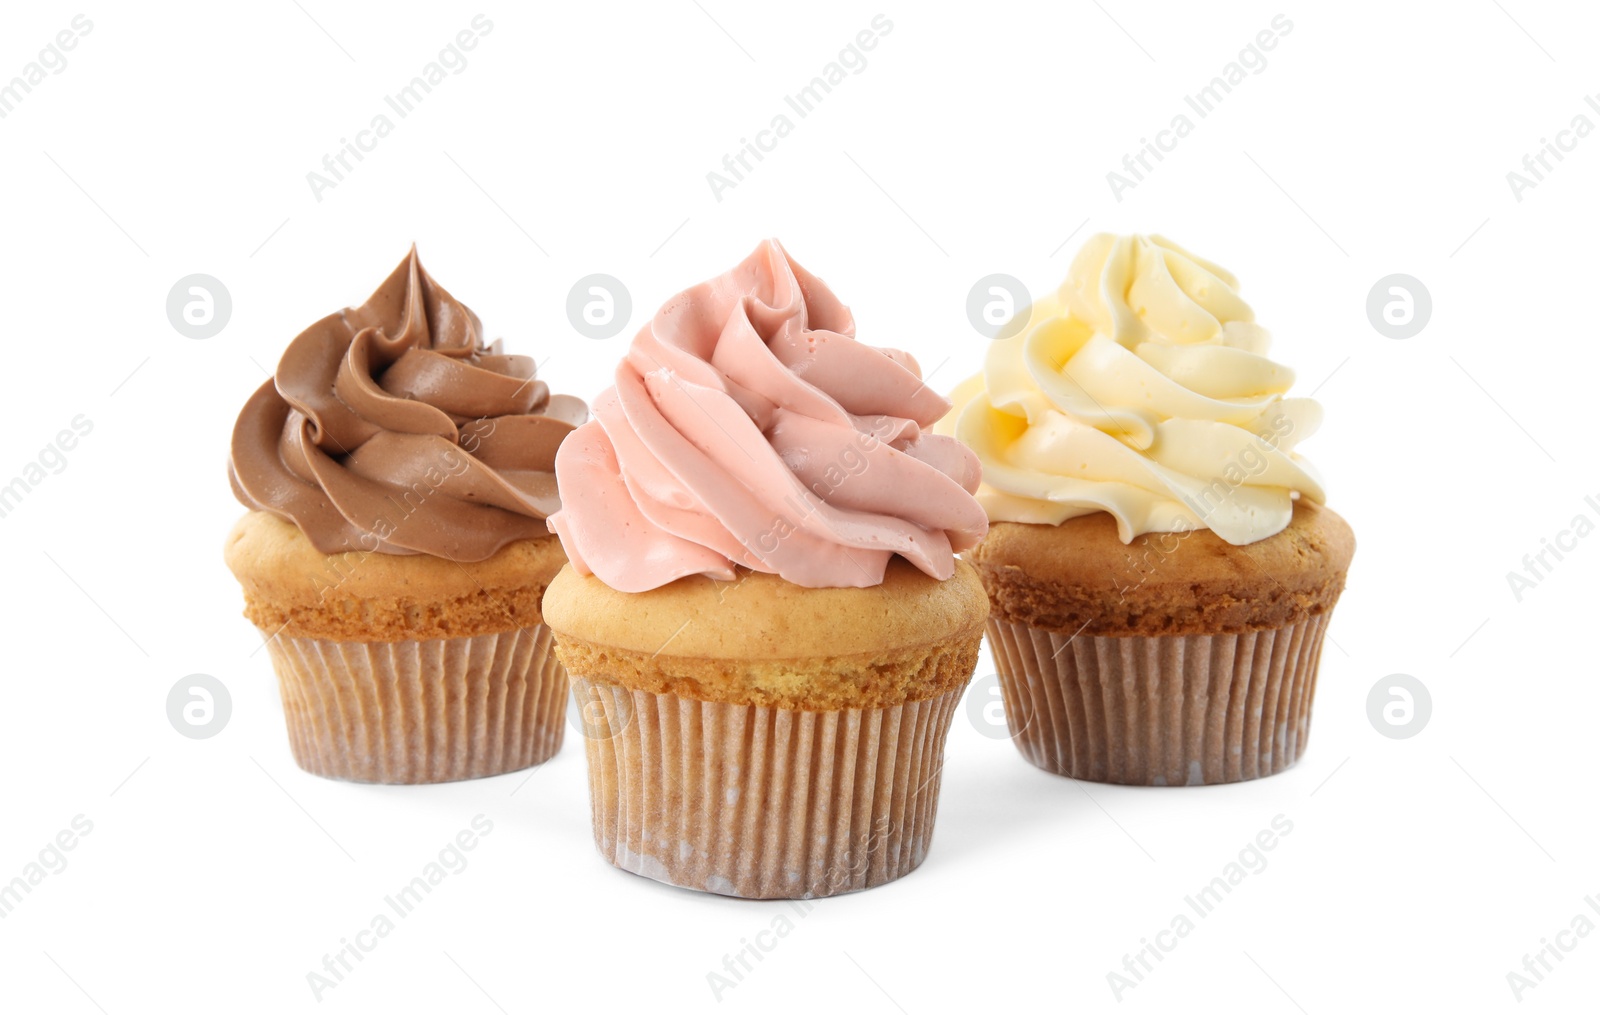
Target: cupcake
{"x": 399, "y": 473}
{"x": 1159, "y": 564}
{"x": 763, "y": 614}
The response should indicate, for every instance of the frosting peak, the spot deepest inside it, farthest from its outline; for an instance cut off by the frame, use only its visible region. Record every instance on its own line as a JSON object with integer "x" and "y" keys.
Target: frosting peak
{"x": 391, "y": 427}
{"x": 748, "y": 427}
{"x": 1140, "y": 288}
{"x": 1140, "y": 387}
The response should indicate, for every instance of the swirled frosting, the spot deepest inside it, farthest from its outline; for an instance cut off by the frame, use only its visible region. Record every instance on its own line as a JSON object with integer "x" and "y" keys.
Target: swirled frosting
{"x": 391, "y": 427}
{"x": 1140, "y": 387}
{"x": 748, "y": 427}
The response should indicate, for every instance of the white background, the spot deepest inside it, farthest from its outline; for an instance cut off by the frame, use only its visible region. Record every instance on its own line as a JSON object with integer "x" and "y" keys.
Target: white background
{"x": 1377, "y": 140}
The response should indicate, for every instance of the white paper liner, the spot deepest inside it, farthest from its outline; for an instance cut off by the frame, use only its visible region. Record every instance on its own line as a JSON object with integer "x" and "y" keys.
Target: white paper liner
{"x": 1160, "y": 710}
{"x": 762, "y": 803}
{"x": 434, "y": 710}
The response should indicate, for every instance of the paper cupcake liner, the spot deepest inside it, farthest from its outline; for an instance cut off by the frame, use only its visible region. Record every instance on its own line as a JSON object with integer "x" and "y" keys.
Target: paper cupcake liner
{"x": 1161, "y": 710}
{"x": 434, "y": 710}
{"x": 762, "y": 803}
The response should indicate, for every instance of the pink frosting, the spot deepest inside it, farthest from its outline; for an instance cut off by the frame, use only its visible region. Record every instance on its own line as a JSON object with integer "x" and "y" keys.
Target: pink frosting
{"x": 749, "y": 427}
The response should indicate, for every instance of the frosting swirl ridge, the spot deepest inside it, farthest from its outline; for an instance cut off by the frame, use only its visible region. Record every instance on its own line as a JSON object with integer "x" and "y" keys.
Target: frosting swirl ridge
{"x": 391, "y": 427}
{"x": 1140, "y": 387}
{"x": 748, "y": 427}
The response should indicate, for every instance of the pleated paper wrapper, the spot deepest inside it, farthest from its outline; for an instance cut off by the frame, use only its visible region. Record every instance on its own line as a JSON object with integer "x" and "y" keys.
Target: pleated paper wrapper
{"x": 433, "y": 710}
{"x": 757, "y": 802}
{"x": 1159, "y": 710}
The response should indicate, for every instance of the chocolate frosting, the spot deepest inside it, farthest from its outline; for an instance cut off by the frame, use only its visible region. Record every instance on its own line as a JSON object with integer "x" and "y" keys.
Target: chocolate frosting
{"x": 391, "y": 427}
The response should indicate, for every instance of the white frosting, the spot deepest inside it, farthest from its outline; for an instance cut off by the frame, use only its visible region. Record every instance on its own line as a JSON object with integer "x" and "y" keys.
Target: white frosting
{"x": 1142, "y": 388}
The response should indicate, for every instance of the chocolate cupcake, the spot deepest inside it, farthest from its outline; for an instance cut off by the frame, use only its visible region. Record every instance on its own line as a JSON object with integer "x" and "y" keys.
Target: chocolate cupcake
{"x": 399, "y": 472}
